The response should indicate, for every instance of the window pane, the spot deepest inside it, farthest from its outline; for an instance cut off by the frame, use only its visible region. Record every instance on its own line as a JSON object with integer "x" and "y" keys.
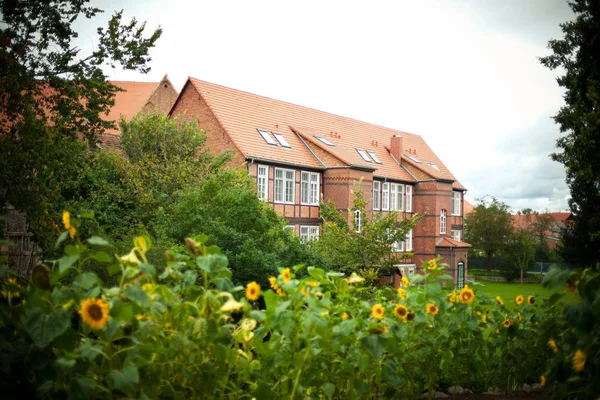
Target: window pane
{"x": 376, "y": 186}
{"x": 314, "y": 188}
{"x": 304, "y": 188}
{"x": 278, "y": 184}
{"x": 385, "y": 196}
{"x": 408, "y": 206}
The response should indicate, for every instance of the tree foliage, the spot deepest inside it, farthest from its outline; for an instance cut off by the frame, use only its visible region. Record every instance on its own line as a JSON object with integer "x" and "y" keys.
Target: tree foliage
{"x": 52, "y": 96}
{"x": 349, "y": 248}
{"x": 578, "y": 54}
{"x": 489, "y": 227}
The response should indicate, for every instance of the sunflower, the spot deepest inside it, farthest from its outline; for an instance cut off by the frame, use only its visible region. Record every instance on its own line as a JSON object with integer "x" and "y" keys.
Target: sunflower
{"x": 499, "y": 300}
{"x": 401, "y": 312}
{"x": 286, "y": 275}
{"x": 431, "y": 265}
{"x": 466, "y": 295}
{"x": 405, "y": 282}
{"x": 253, "y": 291}
{"x": 304, "y": 292}
{"x": 571, "y": 286}
{"x": 553, "y": 345}
{"x": 484, "y": 317}
{"x": 432, "y": 309}
{"x": 273, "y": 283}
{"x": 66, "y": 217}
{"x": 453, "y": 297}
{"x": 519, "y": 299}
{"x": 94, "y": 312}
{"x": 530, "y": 300}
{"x": 385, "y": 330}
{"x": 402, "y": 293}
{"x": 519, "y": 316}
{"x": 578, "y": 361}
{"x": 507, "y": 323}
{"x": 377, "y": 311}
{"x": 410, "y": 316}
{"x": 542, "y": 381}
{"x": 345, "y": 316}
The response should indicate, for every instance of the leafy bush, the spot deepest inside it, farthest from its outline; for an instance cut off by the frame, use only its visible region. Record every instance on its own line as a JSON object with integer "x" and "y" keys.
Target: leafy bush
{"x": 189, "y": 332}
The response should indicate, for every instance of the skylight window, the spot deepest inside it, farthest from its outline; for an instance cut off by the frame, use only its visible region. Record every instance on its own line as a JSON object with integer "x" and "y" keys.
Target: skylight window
{"x": 374, "y": 157}
{"x": 267, "y": 137}
{"x": 327, "y": 142}
{"x": 412, "y": 158}
{"x": 434, "y": 166}
{"x": 281, "y": 139}
{"x": 364, "y": 155}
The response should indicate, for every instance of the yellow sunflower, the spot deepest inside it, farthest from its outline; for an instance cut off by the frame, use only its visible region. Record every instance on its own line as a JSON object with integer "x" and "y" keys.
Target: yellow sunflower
{"x": 466, "y": 295}
{"x": 405, "y": 282}
{"x": 253, "y": 291}
{"x": 484, "y": 317}
{"x": 273, "y": 283}
{"x": 354, "y": 278}
{"x": 542, "y": 381}
{"x": 578, "y": 361}
{"x": 94, "y": 312}
{"x": 432, "y": 309}
{"x": 345, "y": 316}
{"x": 507, "y": 323}
{"x": 402, "y": 293}
{"x": 385, "y": 330}
{"x": 519, "y": 299}
{"x": 431, "y": 265}
{"x": 553, "y": 345}
{"x": 530, "y": 300}
{"x": 286, "y": 275}
{"x": 410, "y": 316}
{"x": 453, "y": 297}
{"x": 499, "y": 300}
{"x": 66, "y": 217}
{"x": 401, "y": 312}
{"x": 377, "y": 311}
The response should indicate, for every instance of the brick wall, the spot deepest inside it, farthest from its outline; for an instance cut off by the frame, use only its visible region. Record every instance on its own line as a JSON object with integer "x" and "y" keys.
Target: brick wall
{"x": 192, "y": 106}
{"x": 161, "y": 99}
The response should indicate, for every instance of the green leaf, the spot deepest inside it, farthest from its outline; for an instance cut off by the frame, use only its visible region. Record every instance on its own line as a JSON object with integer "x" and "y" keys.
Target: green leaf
{"x": 328, "y": 388}
{"x": 66, "y": 262}
{"x": 417, "y": 278}
{"x": 433, "y": 289}
{"x": 87, "y": 215}
{"x": 44, "y": 328}
{"x": 63, "y": 236}
{"x": 282, "y": 307}
{"x": 101, "y": 256}
{"x": 114, "y": 269}
{"x": 86, "y": 280}
{"x": 148, "y": 269}
{"x": 257, "y": 315}
{"x": 316, "y": 273}
{"x": 122, "y": 311}
{"x": 445, "y": 277}
{"x": 65, "y": 363}
{"x": 126, "y": 380}
{"x": 89, "y": 350}
{"x": 73, "y": 250}
{"x": 98, "y": 241}
{"x": 136, "y": 294}
{"x": 374, "y": 345}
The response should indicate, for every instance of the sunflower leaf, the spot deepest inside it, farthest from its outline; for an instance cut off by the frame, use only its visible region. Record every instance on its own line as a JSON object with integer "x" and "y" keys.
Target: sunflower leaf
{"x": 126, "y": 380}
{"x": 44, "y": 328}
{"x": 136, "y": 294}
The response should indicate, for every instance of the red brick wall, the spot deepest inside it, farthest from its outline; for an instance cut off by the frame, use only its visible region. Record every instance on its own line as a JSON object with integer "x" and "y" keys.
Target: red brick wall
{"x": 191, "y": 106}
{"x": 338, "y": 184}
{"x": 161, "y": 100}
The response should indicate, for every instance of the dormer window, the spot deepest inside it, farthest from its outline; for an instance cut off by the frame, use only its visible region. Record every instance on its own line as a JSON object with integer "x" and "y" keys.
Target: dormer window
{"x": 267, "y": 136}
{"x": 281, "y": 139}
{"x": 364, "y": 155}
{"x": 412, "y": 158}
{"x": 327, "y": 142}
{"x": 374, "y": 157}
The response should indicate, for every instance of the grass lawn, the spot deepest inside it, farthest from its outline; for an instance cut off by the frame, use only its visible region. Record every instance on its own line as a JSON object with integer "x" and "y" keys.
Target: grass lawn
{"x": 508, "y": 291}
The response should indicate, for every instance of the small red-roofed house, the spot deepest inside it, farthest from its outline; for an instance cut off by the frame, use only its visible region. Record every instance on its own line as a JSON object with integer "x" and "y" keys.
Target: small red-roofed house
{"x": 299, "y": 155}
{"x": 552, "y": 236}
{"x": 134, "y": 98}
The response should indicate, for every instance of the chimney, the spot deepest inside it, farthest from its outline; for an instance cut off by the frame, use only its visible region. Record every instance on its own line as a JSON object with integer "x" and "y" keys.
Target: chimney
{"x": 396, "y": 147}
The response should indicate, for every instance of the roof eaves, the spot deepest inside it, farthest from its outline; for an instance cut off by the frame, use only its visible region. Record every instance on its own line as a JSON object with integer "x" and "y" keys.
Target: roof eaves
{"x": 271, "y": 161}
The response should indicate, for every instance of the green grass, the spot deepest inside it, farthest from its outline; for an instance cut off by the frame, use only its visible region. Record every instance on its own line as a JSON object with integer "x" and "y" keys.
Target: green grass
{"x": 509, "y": 291}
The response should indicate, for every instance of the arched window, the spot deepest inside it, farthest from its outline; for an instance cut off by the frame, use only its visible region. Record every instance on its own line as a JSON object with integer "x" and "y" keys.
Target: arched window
{"x": 443, "y": 221}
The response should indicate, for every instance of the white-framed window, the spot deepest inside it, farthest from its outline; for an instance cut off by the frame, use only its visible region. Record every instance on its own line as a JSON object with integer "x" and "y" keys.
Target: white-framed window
{"x": 455, "y": 234}
{"x": 404, "y": 245}
{"x": 455, "y": 203}
{"x": 364, "y": 155}
{"x": 408, "y": 202}
{"x": 396, "y": 196}
{"x": 385, "y": 196}
{"x": 309, "y": 233}
{"x": 443, "y": 221}
{"x": 358, "y": 220}
{"x": 281, "y": 139}
{"x": 262, "y": 182}
{"x": 267, "y": 137}
{"x": 309, "y": 188}
{"x": 376, "y": 188}
{"x": 398, "y": 246}
{"x": 284, "y": 185}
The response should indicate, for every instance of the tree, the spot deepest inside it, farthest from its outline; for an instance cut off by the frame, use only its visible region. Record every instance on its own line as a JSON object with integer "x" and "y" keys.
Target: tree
{"x": 489, "y": 227}
{"x": 520, "y": 251}
{"x": 540, "y": 226}
{"x": 578, "y": 54}
{"x": 365, "y": 244}
{"x": 52, "y": 98}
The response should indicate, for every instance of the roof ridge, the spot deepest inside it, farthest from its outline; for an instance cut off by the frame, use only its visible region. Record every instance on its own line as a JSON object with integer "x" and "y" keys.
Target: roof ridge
{"x": 306, "y": 107}
{"x": 115, "y": 81}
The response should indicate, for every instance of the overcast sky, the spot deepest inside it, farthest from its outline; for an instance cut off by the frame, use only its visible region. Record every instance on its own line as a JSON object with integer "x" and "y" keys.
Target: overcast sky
{"x": 463, "y": 74}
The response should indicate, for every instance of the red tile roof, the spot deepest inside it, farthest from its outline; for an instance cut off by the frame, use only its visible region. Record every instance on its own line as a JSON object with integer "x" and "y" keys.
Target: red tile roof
{"x": 241, "y": 113}
{"x": 129, "y": 101}
{"x": 468, "y": 207}
{"x": 447, "y": 242}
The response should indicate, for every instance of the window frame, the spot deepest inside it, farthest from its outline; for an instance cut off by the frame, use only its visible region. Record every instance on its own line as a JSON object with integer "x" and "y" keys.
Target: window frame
{"x": 358, "y": 221}
{"x": 396, "y": 197}
{"x": 456, "y": 197}
{"x": 376, "y": 195}
{"x": 309, "y": 188}
{"x": 280, "y": 186}
{"x": 267, "y": 137}
{"x": 443, "y": 220}
{"x": 264, "y": 196}
{"x": 457, "y": 232}
{"x": 385, "y": 196}
{"x": 282, "y": 141}
{"x": 408, "y": 201}
{"x": 312, "y": 233}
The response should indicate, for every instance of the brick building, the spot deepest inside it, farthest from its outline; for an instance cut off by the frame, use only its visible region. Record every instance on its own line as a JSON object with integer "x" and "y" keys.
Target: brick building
{"x": 298, "y": 155}
{"x": 134, "y": 98}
